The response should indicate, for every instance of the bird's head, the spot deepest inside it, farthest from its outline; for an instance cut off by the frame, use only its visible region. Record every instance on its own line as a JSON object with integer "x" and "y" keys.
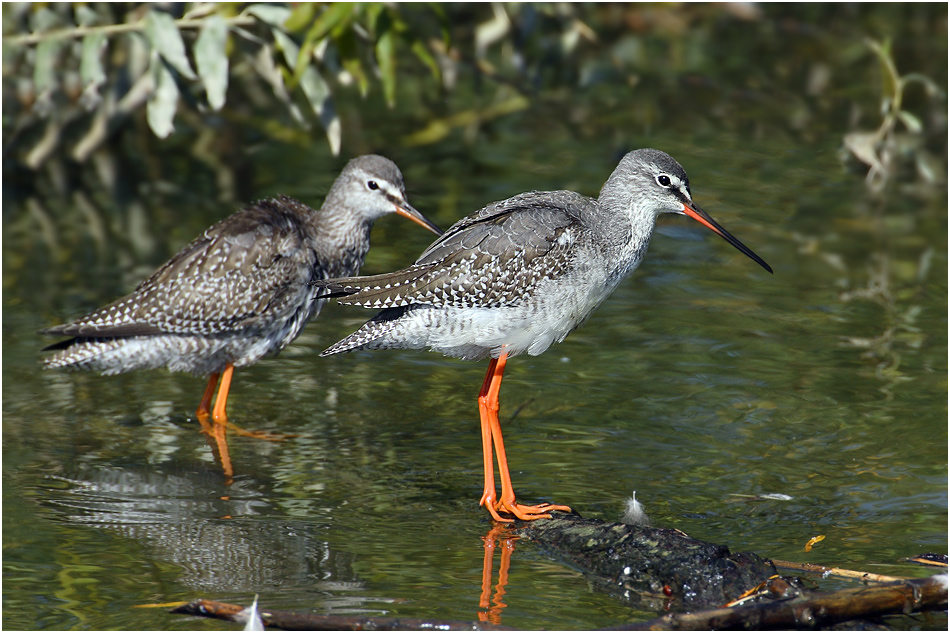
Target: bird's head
{"x": 372, "y": 186}
{"x": 650, "y": 182}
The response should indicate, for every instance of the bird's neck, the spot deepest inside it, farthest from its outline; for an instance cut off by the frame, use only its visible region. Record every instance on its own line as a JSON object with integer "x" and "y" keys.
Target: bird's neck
{"x": 341, "y": 237}
{"x": 625, "y": 228}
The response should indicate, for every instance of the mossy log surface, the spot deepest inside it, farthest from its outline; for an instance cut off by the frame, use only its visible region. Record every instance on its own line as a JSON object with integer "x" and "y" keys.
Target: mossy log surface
{"x": 644, "y": 565}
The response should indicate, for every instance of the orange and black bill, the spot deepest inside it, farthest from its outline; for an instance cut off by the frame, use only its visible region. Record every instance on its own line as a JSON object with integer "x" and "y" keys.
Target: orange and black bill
{"x": 406, "y": 210}
{"x": 693, "y": 211}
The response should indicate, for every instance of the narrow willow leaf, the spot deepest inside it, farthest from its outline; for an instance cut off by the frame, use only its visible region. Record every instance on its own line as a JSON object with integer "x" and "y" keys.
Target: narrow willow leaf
{"x": 933, "y": 90}
{"x": 889, "y": 76}
{"x": 349, "y": 54}
{"x": 335, "y": 19}
{"x": 355, "y": 69}
{"x": 91, "y": 71}
{"x": 287, "y": 46}
{"x": 487, "y": 33}
{"x": 337, "y": 14}
{"x": 162, "y": 103}
{"x": 211, "y": 57}
{"x": 333, "y": 128}
{"x": 263, "y": 63}
{"x": 164, "y": 36}
{"x": 301, "y": 16}
{"x": 318, "y": 94}
{"x": 270, "y": 14}
{"x": 200, "y": 10}
{"x": 44, "y": 19}
{"x": 44, "y": 70}
{"x": 925, "y": 169}
{"x": 320, "y": 53}
{"x": 303, "y": 61}
{"x": 85, "y": 16}
{"x": 373, "y": 10}
{"x": 315, "y": 89}
{"x": 864, "y": 147}
{"x": 386, "y": 57}
{"x": 913, "y": 123}
{"x": 423, "y": 54}
{"x": 247, "y": 35}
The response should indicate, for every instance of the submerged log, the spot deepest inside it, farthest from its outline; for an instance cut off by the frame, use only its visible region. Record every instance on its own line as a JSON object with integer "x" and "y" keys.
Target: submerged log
{"x": 294, "y": 621}
{"x": 802, "y": 611}
{"x": 702, "y": 585}
{"x": 645, "y": 566}
{"x": 812, "y": 610}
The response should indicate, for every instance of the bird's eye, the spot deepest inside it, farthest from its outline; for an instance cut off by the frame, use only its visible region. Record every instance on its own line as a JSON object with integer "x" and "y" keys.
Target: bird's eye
{"x": 663, "y": 180}
{"x": 372, "y": 185}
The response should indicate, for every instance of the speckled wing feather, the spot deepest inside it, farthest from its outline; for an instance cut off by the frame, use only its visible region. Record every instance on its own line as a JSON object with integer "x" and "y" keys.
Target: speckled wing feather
{"x": 494, "y": 257}
{"x": 223, "y": 280}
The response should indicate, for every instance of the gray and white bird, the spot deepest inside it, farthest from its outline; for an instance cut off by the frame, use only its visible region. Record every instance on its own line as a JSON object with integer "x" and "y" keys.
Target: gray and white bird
{"x": 242, "y": 289}
{"x": 517, "y": 276}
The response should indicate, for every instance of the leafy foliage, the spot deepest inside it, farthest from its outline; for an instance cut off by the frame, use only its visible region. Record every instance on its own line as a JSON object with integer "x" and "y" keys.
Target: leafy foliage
{"x": 83, "y": 61}
{"x": 74, "y": 74}
{"x": 881, "y": 149}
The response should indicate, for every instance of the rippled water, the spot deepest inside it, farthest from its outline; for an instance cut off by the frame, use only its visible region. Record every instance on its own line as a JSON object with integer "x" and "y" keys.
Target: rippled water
{"x": 701, "y": 382}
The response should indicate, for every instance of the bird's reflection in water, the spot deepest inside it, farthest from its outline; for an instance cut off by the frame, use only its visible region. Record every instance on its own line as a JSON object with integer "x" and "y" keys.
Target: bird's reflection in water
{"x": 218, "y": 441}
{"x": 498, "y": 533}
{"x": 175, "y": 516}
{"x": 216, "y": 434}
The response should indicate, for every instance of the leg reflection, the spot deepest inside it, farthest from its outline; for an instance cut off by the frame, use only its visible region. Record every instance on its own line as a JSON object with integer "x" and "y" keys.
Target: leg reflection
{"x": 499, "y": 533}
{"x": 217, "y": 439}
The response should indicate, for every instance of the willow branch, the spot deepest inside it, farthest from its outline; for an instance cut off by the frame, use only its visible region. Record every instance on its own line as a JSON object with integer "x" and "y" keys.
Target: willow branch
{"x": 113, "y": 29}
{"x": 835, "y": 571}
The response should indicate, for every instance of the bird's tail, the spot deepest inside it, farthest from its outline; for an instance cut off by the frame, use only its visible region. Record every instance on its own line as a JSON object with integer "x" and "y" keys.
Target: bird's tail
{"x": 399, "y": 288}
{"x": 372, "y": 335}
{"x": 78, "y": 353}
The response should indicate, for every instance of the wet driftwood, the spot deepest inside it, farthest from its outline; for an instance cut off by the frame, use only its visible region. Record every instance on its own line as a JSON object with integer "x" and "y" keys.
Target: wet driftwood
{"x": 775, "y": 613}
{"x": 812, "y": 610}
{"x": 294, "y": 621}
{"x": 667, "y": 570}
{"x": 644, "y": 565}
{"x": 702, "y": 586}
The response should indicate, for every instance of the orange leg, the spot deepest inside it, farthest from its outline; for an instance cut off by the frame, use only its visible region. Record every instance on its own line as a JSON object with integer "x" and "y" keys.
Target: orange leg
{"x": 483, "y": 599}
{"x": 488, "y": 495}
{"x": 204, "y": 407}
{"x": 215, "y": 432}
{"x": 220, "y": 415}
{"x": 219, "y": 444}
{"x": 491, "y": 435}
{"x": 507, "y": 543}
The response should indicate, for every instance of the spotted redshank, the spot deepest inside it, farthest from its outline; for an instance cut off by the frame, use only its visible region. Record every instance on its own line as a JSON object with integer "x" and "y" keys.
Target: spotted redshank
{"x": 517, "y": 276}
{"x": 242, "y": 289}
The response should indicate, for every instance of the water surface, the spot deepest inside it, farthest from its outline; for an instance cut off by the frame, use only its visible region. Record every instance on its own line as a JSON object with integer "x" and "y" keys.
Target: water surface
{"x": 701, "y": 383}
{"x": 703, "y": 379}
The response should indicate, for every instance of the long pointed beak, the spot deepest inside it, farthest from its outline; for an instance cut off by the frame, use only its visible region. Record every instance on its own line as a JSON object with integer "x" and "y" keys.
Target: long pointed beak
{"x": 693, "y": 211}
{"x": 406, "y": 210}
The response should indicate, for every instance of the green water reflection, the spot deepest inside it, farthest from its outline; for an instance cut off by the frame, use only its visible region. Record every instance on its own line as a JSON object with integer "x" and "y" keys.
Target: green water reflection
{"x": 702, "y": 380}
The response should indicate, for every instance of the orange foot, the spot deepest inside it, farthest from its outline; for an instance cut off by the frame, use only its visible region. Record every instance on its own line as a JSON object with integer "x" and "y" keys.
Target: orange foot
{"x": 530, "y": 513}
{"x": 523, "y": 512}
{"x": 214, "y": 428}
{"x": 262, "y": 435}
